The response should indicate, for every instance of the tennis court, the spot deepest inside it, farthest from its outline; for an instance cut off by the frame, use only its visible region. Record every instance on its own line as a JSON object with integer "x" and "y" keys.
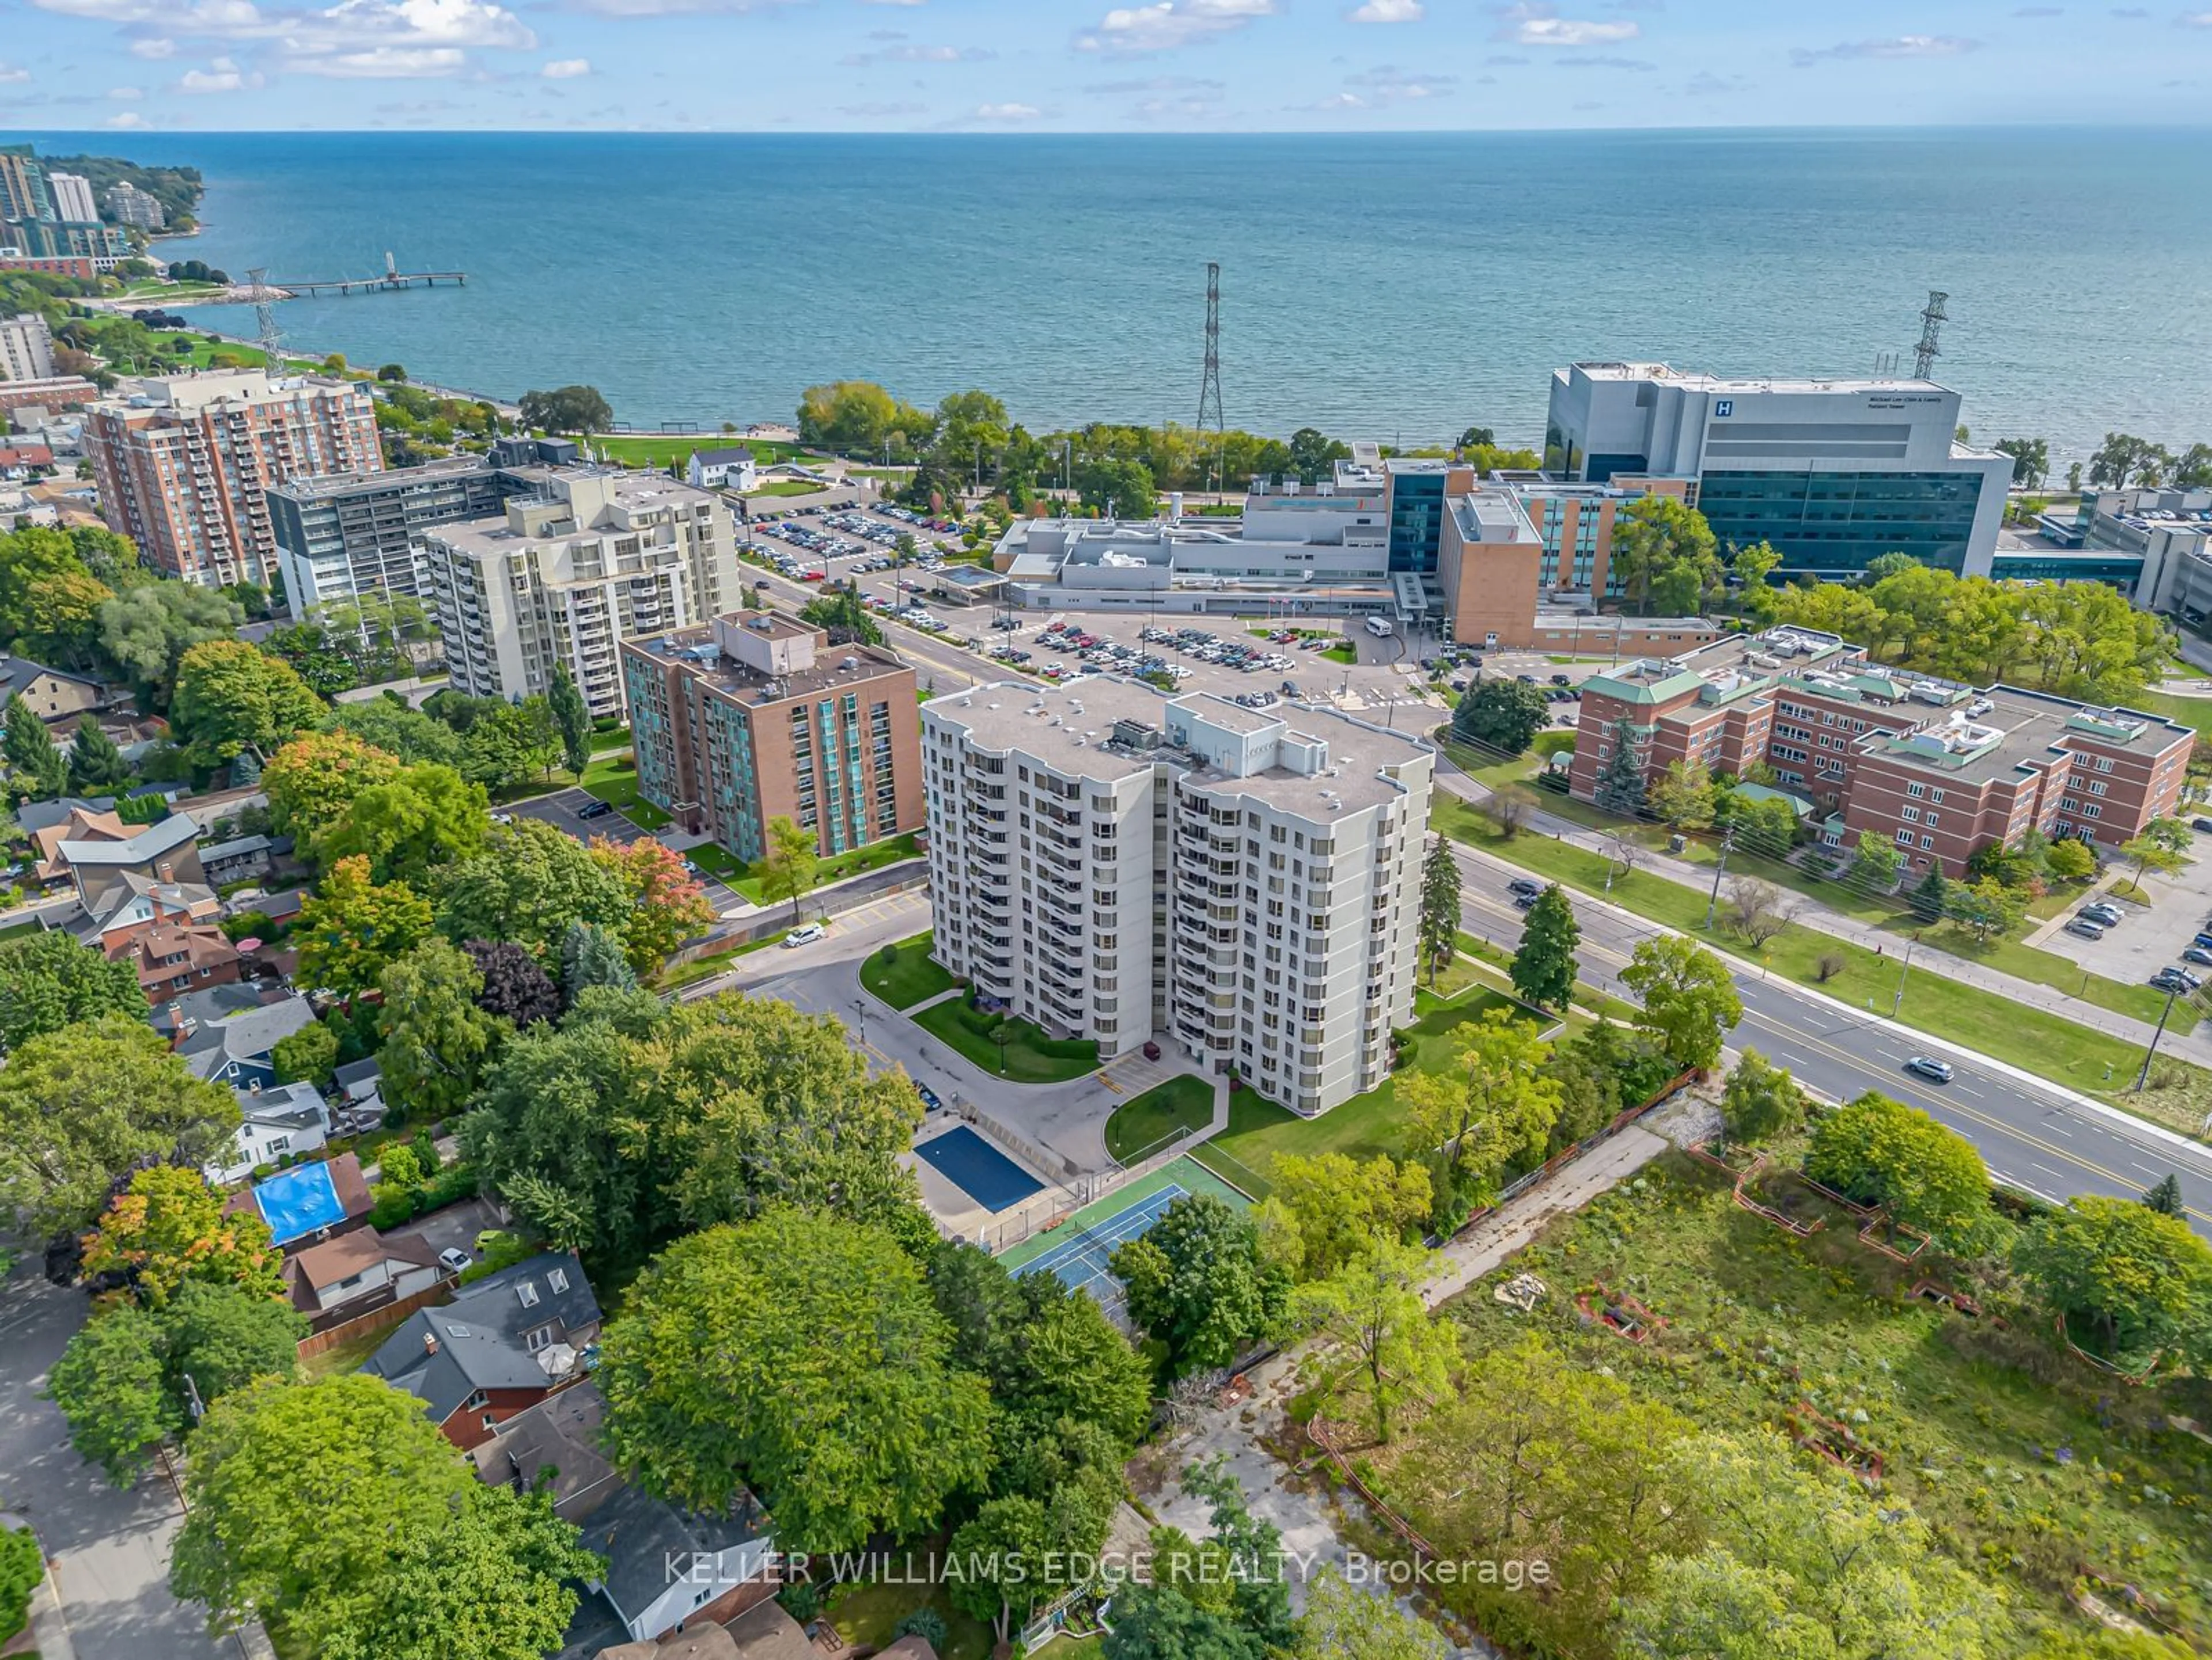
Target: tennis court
{"x": 1081, "y": 1248}
{"x": 978, "y": 1169}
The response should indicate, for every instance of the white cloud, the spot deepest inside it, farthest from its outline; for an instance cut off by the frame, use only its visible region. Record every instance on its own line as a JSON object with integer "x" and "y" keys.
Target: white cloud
{"x": 914, "y": 54}
{"x": 156, "y": 47}
{"x": 1387, "y": 84}
{"x": 566, "y": 68}
{"x": 383, "y": 63}
{"x": 1533, "y": 23}
{"x": 12, "y": 75}
{"x": 127, "y": 121}
{"x": 1386, "y": 11}
{"x": 126, "y": 94}
{"x": 221, "y": 76}
{"x": 882, "y": 110}
{"x": 1336, "y": 103}
{"x": 1005, "y": 112}
{"x": 2195, "y": 20}
{"x": 1895, "y": 46}
{"x": 673, "y": 8}
{"x": 1135, "y": 31}
{"x": 417, "y": 22}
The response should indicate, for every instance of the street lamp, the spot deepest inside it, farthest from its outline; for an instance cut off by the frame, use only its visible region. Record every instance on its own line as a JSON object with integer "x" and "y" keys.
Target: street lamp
{"x": 860, "y": 1008}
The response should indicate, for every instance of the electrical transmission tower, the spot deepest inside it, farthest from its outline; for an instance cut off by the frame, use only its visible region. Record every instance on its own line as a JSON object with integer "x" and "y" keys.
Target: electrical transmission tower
{"x": 1209, "y": 388}
{"x": 1209, "y": 385}
{"x": 265, "y": 315}
{"x": 1931, "y": 329}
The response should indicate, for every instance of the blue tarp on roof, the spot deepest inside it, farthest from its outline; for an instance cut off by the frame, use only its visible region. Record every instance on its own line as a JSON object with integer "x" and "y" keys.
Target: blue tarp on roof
{"x": 299, "y": 1201}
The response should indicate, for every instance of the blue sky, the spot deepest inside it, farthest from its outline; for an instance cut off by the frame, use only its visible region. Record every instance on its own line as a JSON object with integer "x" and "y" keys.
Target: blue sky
{"x": 1089, "y": 65}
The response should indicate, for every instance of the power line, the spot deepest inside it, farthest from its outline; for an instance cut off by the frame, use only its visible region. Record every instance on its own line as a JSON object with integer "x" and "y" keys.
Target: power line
{"x": 1209, "y": 385}
{"x": 265, "y": 316}
{"x": 1931, "y": 329}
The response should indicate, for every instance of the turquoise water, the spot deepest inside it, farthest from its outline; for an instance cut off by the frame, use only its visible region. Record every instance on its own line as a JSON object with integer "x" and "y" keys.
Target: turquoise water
{"x": 1399, "y": 287}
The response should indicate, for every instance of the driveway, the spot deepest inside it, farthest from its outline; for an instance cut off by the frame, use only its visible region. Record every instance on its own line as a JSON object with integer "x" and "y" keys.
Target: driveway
{"x": 454, "y": 1228}
{"x": 110, "y": 1549}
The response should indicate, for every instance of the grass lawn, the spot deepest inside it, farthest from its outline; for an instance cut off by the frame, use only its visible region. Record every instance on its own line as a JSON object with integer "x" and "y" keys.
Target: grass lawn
{"x": 706, "y": 968}
{"x": 2028, "y": 1465}
{"x": 610, "y": 743}
{"x": 613, "y": 780}
{"x": 867, "y": 1616}
{"x": 786, "y": 487}
{"x": 2192, "y": 712}
{"x": 903, "y": 974}
{"x": 659, "y": 449}
{"x": 2036, "y": 1042}
{"x": 835, "y": 868}
{"x": 714, "y": 859}
{"x": 1030, "y": 1056}
{"x": 16, "y": 930}
{"x": 1344, "y": 654}
{"x": 1259, "y": 1132}
{"x": 345, "y": 1357}
{"x": 1145, "y": 1124}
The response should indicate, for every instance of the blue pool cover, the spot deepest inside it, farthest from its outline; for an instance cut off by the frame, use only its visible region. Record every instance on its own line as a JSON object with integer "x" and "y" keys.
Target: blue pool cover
{"x": 298, "y": 1202}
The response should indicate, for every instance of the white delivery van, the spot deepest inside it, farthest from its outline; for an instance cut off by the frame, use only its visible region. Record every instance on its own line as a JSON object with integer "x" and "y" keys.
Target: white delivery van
{"x": 1378, "y": 627}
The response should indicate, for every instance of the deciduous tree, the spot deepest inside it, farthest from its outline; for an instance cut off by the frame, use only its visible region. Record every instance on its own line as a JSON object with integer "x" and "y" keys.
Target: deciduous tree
{"x": 577, "y": 410}
{"x": 1344, "y": 1621}
{"x": 353, "y": 928}
{"x": 1371, "y": 1310}
{"x": 1880, "y": 1151}
{"x": 169, "y": 1226}
{"x": 146, "y": 630}
{"x": 515, "y": 989}
{"x": 222, "y": 1335}
{"x": 801, "y": 1355}
{"x": 438, "y": 1041}
{"x": 1681, "y": 796}
{"x": 1199, "y": 1284}
{"x": 1500, "y": 714}
{"x": 1325, "y": 1210}
{"x": 1666, "y": 556}
{"x": 666, "y": 905}
{"x": 49, "y": 981}
{"x": 1760, "y": 1102}
{"x": 2141, "y": 1280}
{"x": 1489, "y": 1107}
{"x": 2069, "y": 860}
{"x": 413, "y": 828}
{"x": 80, "y": 1106}
{"x": 1688, "y": 995}
{"x": 109, "y": 1385}
{"x": 231, "y": 696}
{"x": 1543, "y": 968}
{"x": 312, "y": 780}
{"x": 572, "y": 719}
{"x": 1876, "y": 863}
{"x": 307, "y": 1056}
{"x": 528, "y": 884}
{"x": 260, "y": 1539}
{"x": 788, "y": 869}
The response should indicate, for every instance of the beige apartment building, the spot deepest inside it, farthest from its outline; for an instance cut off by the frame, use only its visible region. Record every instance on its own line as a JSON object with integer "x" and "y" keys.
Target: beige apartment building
{"x": 567, "y": 574}
{"x": 184, "y": 462}
{"x": 1113, "y": 864}
{"x": 756, "y": 716}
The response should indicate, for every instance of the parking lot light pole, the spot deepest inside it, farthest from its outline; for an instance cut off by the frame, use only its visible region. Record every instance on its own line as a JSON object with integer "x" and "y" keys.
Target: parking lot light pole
{"x": 2143, "y": 1078}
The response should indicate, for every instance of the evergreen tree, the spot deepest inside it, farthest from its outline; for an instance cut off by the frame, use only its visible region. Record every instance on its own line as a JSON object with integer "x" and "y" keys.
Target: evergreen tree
{"x": 96, "y": 763}
{"x": 573, "y": 718}
{"x": 594, "y": 955}
{"x": 1544, "y": 967}
{"x": 2165, "y": 1198}
{"x": 245, "y": 770}
{"x": 1929, "y": 899}
{"x": 1439, "y": 905}
{"x": 1619, "y": 787}
{"x": 35, "y": 767}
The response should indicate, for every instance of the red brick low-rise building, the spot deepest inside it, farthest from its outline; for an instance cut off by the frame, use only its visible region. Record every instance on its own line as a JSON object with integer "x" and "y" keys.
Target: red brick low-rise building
{"x": 1936, "y": 768}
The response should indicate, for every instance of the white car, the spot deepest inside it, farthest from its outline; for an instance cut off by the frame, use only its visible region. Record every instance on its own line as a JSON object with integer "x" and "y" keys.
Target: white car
{"x": 453, "y": 1259}
{"x": 803, "y": 936}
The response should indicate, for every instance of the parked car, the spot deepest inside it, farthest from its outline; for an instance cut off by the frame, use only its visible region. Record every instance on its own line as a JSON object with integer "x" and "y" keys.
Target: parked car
{"x": 2107, "y": 915}
{"x": 2175, "y": 980}
{"x": 929, "y": 1097}
{"x": 1151, "y": 1051}
{"x": 1929, "y": 1067}
{"x": 2082, "y": 927}
{"x": 593, "y": 810}
{"x": 1563, "y": 680}
{"x": 453, "y": 1259}
{"x": 805, "y": 934}
{"x": 2204, "y": 824}
{"x": 2197, "y": 954}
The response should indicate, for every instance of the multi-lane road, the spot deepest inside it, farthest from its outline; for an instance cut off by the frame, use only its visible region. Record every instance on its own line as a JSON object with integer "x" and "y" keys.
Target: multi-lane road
{"x": 2032, "y": 1136}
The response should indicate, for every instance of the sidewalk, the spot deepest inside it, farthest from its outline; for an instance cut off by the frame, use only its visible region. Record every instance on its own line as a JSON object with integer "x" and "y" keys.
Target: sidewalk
{"x": 2195, "y": 1045}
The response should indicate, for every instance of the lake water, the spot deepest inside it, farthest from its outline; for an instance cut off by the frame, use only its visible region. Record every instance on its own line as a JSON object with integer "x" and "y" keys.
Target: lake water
{"x": 1395, "y": 287}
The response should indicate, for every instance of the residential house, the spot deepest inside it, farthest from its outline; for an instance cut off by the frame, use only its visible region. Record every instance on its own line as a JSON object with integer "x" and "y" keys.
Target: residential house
{"x": 356, "y": 1273}
{"x": 320, "y": 1201}
{"x": 239, "y": 1049}
{"x": 723, "y": 469}
{"x": 728, "y": 1556}
{"x": 196, "y": 1009}
{"x": 240, "y": 859}
{"x": 360, "y": 1085}
{"x": 708, "y": 1642}
{"x": 96, "y": 850}
{"x": 55, "y": 694}
{"x": 290, "y": 1118}
{"x": 180, "y": 948}
{"x": 500, "y": 1346}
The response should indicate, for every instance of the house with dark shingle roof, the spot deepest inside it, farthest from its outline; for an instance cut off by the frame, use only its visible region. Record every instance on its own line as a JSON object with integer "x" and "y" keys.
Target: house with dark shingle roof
{"x": 502, "y": 1345}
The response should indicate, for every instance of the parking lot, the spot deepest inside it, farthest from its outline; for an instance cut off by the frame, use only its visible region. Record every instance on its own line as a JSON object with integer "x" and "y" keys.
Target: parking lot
{"x": 2150, "y": 937}
{"x": 566, "y": 810}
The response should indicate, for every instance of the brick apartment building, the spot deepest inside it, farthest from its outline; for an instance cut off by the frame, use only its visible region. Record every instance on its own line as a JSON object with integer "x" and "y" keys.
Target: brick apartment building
{"x": 185, "y": 462}
{"x": 756, "y": 716}
{"x": 1939, "y": 769}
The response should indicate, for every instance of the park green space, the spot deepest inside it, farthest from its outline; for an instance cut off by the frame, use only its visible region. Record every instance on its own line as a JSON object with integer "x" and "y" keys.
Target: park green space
{"x": 786, "y": 487}
{"x": 1145, "y": 1124}
{"x": 905, "y": 973}
{"x": 613, "y": 779}
{"x": 2043, "y": 1044}
{"x": 660, "y": 449}
{"x": 2030, "y": 1466}
{"x": 1029, "y": 1056}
